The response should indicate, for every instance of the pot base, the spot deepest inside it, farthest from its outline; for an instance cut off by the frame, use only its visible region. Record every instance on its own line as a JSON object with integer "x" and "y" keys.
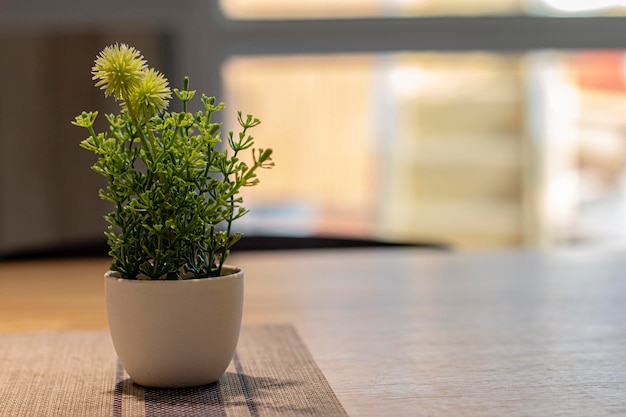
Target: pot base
{"x": 174, "y": 334}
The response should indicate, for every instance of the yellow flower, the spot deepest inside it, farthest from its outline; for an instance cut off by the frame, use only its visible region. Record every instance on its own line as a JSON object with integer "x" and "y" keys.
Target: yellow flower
{"x": 118, "y": 70}
{"x": 151, "y": 96}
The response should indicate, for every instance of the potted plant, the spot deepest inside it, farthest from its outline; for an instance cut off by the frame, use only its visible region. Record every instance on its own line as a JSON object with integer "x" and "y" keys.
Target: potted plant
{"x": 174, "y": 306}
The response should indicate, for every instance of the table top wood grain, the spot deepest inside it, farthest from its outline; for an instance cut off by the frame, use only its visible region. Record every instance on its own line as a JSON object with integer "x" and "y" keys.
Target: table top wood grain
{"x": 407, "y": 332}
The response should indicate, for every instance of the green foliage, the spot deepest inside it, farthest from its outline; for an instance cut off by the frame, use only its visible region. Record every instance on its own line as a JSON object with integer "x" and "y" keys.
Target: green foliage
{"x": 174, "y": 184}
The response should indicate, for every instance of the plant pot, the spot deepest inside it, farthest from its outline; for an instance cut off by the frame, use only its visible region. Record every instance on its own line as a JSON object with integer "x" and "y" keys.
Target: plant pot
{"x": 172, "y": 334}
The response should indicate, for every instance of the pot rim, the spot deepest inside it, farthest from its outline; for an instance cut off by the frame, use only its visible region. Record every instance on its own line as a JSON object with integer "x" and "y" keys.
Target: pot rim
{"x": 235, "y": 272}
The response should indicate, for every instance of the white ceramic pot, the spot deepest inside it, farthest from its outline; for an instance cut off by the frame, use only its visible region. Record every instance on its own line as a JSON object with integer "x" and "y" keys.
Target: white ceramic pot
{"x": 173, "y": 334}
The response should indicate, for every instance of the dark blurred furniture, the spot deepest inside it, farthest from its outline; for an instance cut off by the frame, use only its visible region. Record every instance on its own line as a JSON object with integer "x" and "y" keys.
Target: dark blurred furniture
{"x": 246, "y": 244}
{"x": 260, "y": 243}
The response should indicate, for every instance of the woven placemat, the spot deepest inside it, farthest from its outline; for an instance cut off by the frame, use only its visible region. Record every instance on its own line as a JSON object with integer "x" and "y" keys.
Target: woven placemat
{"x": 78, "y": 374}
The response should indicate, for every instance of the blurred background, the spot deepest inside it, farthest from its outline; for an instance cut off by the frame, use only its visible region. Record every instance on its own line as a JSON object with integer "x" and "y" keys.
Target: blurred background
{"x": 473, "y": 123}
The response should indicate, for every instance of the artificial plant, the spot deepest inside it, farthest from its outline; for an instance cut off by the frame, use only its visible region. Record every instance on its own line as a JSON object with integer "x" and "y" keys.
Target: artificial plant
{"x": 173, "y": 181}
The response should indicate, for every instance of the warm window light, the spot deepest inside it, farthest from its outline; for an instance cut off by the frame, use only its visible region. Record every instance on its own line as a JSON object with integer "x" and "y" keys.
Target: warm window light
{"x": 326, "y": 9}
{"x": 574, "y": 6}
{"x": 406, "y": 81}
{"x": 281, "y": 9}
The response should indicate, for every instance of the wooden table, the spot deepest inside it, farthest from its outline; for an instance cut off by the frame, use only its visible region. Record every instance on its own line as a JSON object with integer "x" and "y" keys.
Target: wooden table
{"x": 408, "y": 332}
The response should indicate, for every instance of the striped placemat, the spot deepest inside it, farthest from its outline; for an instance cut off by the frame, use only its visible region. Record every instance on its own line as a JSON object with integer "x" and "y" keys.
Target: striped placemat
{"x": 78, "y": 374}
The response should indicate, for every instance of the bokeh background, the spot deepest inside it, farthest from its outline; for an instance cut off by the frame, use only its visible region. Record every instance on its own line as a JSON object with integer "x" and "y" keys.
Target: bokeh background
{"x": 477, "y": 124}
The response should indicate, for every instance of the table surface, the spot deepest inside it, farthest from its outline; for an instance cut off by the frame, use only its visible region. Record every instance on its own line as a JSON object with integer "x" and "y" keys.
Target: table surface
{"x": 407, "y": 331}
